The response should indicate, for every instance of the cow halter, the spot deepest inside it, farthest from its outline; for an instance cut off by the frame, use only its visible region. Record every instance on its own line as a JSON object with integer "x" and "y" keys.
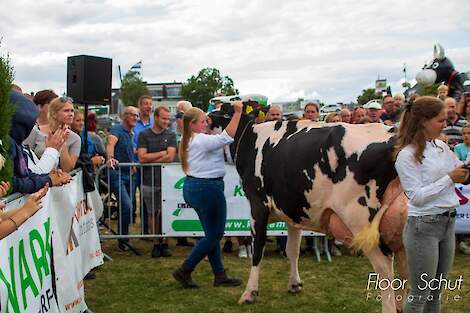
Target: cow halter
{"x": 235, "y": 157}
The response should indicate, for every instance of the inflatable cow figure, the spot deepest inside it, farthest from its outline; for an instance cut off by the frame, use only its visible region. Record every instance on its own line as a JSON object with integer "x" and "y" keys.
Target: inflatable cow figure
{"x": 441, "y": 70}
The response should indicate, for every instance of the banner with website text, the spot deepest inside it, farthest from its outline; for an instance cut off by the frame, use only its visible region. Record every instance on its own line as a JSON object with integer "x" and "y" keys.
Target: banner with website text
{"x": 69, "y": 226}
{"x": 178, "y": 219}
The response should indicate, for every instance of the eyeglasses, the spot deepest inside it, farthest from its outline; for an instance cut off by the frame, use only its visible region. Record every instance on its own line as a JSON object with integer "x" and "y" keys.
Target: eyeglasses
{"x": 132, "y": 114}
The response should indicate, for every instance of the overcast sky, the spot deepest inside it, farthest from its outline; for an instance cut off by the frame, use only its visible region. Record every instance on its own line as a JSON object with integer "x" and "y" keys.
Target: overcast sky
{"x": 329, "y": 50}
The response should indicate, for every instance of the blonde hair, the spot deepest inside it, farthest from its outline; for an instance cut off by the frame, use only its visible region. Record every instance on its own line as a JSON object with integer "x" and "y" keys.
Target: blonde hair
{"x": 329, "y": 118}
{"x": 183, "y": 106}
{"x": 443, "y": 88}
{"x": 55, "y": 106}
{"x": 411, "y": 129}
{"x": 399, "y": 96}
{"x": 465, "y": 127}
{"x": 190, "y": 116}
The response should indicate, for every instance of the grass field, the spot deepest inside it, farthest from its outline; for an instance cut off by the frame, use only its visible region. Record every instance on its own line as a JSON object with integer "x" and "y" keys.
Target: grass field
{"x": 141, "y": 284}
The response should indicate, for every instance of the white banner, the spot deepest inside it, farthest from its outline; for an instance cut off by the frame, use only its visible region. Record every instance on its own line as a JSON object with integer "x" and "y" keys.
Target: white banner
{"x": 76, "y": 243}
{"x": 178, "y": 219}
{"x": 76, "y": 248}
{"x": 25, "y": 264}
{"x": 462, "y": 222}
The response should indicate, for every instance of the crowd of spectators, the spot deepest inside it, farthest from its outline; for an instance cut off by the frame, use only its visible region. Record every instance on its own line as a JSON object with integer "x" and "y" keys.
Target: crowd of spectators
{"x": 48, "y": 141}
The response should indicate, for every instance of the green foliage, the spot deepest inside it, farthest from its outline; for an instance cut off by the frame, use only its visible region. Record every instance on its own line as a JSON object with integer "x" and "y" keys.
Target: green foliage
{"x": 367, "y": 95}
{"x": 6, "y": 113}
{"x": 132, "y": 88}
{"x": 207, "y": 84}
{"x": 430, "y": 90}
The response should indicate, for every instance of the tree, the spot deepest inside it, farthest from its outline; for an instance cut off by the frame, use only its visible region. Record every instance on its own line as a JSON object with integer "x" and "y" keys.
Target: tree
{"x": 132, "y": 88}
{"x": 367, "y": 95}
{"x": 6, "y": 113}
{"x": 207, "y": 84}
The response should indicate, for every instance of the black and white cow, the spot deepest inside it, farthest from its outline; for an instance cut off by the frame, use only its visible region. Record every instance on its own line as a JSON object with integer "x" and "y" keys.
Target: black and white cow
{"x": 332, "y": 178}
{"x": 441, "y": 70}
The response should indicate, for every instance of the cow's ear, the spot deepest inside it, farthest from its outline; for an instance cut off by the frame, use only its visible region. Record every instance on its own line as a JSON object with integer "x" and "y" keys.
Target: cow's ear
{"x": 439, "y": 52}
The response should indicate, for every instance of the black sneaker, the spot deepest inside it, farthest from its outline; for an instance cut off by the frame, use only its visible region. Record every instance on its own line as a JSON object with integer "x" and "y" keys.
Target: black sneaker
{"x": 156, "y": 251}
{"x": 165, "y": 251}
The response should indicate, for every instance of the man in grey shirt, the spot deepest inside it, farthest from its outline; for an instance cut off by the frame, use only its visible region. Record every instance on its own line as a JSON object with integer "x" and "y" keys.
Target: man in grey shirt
{"x": 156, "y": 145}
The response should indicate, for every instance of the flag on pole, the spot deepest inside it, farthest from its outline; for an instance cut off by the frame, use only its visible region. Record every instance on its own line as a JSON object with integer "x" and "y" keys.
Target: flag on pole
{"x": 137, "y": 68}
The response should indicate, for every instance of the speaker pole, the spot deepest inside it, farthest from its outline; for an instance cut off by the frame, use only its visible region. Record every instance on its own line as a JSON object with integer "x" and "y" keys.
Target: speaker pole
{"x": 85, "y": 128}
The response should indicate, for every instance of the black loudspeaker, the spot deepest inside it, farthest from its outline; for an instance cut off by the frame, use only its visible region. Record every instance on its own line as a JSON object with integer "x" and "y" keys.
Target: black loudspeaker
{"x": 89, "y": 79}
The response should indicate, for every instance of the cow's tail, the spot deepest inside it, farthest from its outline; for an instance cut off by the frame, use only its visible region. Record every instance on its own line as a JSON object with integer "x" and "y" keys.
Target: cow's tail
{"x": 368, "y": 238}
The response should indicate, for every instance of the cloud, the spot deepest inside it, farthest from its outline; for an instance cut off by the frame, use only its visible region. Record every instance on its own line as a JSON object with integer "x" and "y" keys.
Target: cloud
{"x": 330, "y": 50}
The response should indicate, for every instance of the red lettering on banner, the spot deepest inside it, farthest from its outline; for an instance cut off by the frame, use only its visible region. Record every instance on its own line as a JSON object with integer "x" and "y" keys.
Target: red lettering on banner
{"x": 81, "y": 209}
{"x": 74, "y": 303}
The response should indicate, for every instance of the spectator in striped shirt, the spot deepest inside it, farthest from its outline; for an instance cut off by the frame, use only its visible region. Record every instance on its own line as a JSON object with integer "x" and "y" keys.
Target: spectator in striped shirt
{"x": 455, "y": 122}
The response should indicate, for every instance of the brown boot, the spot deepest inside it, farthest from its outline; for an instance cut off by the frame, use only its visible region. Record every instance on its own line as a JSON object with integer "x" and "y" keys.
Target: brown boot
{"x": 183, "y": 275}
{"x": 221, "y": 279}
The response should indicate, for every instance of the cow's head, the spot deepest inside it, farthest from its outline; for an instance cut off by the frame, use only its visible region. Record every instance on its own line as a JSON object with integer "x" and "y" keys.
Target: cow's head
{"x": 438, "y": 70}
{"x": 251, "y": 109}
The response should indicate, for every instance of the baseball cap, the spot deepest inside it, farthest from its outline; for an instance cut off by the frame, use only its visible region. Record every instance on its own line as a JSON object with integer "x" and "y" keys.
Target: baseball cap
{"x": 373, "y": 104}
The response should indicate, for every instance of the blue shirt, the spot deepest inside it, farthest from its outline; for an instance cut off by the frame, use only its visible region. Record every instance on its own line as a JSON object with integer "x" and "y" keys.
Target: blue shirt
{"x": 140, "y": 126}
{"x": 462, "y": 150}
{"x": 124, "y": 148}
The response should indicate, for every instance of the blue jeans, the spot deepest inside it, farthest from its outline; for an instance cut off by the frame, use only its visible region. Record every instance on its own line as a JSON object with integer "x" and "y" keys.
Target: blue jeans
{"x": 121, "y": 187}
{"x": 207, "y": 198}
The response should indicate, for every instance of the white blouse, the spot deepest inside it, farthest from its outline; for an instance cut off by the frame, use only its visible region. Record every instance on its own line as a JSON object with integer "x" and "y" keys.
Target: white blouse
{"x": 206, "y": 155}
{"x": 428, "y": 186}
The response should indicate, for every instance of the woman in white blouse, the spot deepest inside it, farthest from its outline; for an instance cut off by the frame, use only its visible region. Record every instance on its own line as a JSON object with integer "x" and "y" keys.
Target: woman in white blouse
{"x": 428, "y": 171}
{"x": 202, "y": 159}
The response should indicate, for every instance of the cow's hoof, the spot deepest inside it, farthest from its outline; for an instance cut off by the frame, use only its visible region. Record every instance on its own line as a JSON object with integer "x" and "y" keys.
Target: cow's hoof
{"x": 248, "y": 297}
{"x": 295, "y": 288}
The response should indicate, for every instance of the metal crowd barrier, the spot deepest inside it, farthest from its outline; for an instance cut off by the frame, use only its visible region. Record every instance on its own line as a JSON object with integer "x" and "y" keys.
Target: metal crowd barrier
{"x": 113, "y": 199}
{"x": 113, "y": 210}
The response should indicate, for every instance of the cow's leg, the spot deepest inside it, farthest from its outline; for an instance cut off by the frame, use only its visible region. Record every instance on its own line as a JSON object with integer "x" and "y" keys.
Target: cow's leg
{"x": 259, "y": 223}
{"x": 402, "y": 266}
{"x": 383, "y": 267}
{"x": 293, "y": 247}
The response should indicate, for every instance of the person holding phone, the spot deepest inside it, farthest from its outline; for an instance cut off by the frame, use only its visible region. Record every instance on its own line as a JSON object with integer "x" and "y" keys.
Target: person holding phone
{"x": 428, "y": 171}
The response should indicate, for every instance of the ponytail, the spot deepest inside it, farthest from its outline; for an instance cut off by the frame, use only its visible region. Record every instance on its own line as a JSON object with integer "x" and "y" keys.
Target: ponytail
{"x": 190, "y": 116}
{"x": 411, "y": 129}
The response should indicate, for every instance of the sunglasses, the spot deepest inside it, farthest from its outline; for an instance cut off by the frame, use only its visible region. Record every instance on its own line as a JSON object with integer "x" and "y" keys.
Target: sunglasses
{"x": 65, "y": 99}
